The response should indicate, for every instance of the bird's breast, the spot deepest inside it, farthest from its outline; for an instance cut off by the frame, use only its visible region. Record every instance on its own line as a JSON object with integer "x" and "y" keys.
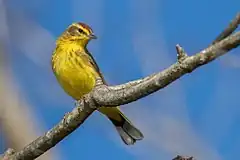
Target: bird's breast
{"x": 76, "y": 78}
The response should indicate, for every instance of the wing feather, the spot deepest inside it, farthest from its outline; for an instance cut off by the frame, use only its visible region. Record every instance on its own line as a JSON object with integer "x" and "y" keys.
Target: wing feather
{"x": 92, "y": 63}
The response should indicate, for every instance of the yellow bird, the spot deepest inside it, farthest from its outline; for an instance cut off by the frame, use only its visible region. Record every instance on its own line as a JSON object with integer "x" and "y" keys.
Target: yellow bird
{"x": 76, "y": 71}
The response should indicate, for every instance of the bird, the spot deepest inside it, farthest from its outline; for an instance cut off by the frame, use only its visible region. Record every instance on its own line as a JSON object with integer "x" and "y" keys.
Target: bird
{"x": 77, "y": 71}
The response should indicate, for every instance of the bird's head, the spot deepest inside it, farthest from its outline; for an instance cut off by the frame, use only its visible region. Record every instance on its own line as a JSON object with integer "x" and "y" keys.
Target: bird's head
{"x": 79, "y": 33}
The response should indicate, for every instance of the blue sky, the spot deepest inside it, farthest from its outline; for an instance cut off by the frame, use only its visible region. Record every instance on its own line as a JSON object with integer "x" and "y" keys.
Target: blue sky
{"x": 197, "y": 115}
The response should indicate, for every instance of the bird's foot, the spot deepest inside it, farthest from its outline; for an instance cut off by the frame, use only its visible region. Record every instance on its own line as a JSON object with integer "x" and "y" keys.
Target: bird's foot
{"x": 80, "y": 104}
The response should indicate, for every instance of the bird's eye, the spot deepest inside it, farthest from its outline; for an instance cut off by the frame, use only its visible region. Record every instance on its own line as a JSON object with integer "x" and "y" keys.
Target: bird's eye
{"x": 80, "y": 30}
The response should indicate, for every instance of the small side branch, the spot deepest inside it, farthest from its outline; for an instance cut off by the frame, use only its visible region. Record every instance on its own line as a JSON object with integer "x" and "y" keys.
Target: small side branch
{"x": 183, "y": 158}
{"x": 181, "y": 54}
{"x": 229, "y": 30}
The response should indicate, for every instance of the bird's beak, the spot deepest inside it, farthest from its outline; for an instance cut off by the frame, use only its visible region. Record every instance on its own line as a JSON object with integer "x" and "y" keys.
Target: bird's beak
{"x": 92, "y": 36}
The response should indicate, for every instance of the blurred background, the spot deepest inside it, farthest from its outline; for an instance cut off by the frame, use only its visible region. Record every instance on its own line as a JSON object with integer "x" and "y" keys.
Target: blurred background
{"x": 198, "y": 115}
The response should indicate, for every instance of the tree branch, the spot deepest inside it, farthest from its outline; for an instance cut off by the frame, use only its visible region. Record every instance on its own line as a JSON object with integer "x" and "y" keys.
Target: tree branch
{"x": 229, "y": 30}
{"x": 122, "y": 94}
{"x": 8, "y": 153}
{"x": 183, "y": 158}
{"x": 68, "y": 124}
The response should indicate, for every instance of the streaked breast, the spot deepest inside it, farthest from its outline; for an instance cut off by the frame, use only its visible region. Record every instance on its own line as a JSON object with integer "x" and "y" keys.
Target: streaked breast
{"x": 74, "y": 76}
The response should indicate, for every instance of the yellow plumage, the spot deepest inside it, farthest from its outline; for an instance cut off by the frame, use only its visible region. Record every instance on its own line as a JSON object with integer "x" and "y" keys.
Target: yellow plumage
{"x": 76, "y": 71}
{"x": 75, "y": 76}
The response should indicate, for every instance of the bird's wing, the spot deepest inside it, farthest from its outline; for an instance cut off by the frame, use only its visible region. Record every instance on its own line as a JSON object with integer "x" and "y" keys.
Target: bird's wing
{"x": 89, "y": 58}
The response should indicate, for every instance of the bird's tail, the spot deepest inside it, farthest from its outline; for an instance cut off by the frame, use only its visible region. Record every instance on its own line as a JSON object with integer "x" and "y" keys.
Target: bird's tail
{"x": 127, "y": 131}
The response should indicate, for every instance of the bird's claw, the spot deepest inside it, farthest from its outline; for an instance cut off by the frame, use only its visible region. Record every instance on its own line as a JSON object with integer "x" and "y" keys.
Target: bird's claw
{"x": 80, "y": 104}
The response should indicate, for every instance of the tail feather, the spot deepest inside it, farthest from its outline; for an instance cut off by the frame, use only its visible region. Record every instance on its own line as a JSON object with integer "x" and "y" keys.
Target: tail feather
{"x": 132, "y": 130}
{"x": 128, "y": 140}
{"x": 127, "y": 131}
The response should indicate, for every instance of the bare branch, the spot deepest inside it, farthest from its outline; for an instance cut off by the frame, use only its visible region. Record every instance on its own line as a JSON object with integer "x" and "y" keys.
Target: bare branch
{"x": 104, "y": 95}
{"x": 229, "y": 30}
{"x": 183, "y": 158}
{"x": 68, "y": 124}
{"x": 8, "y": 153}
{"x": 120, "y": 95}
{"x": 181, "y": 54}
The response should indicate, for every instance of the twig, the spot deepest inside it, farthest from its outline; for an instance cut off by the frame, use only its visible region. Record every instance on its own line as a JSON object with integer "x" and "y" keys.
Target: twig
{"x": 229, "y": 30}
{"x": 181, "y": 54}
{"x": 183, "y": 158}
{"x": 104, "y": 95}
